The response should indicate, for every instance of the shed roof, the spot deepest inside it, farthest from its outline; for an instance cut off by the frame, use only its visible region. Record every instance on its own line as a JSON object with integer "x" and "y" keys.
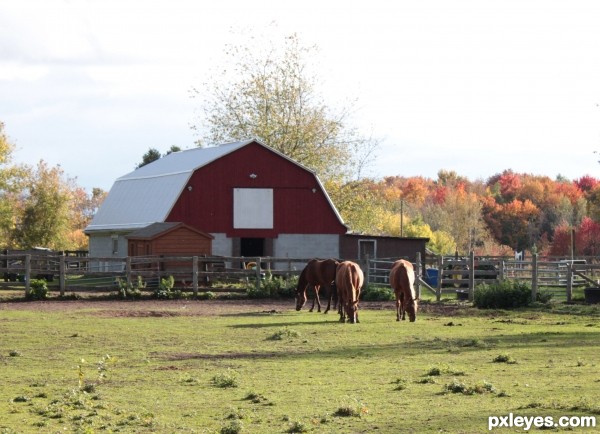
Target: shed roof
{"x": 156, "y": 229}
{"x": 147, "y": 195}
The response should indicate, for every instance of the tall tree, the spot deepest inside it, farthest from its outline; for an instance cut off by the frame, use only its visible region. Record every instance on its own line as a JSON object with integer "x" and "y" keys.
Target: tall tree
{"x": 11, "y": 181}
{"x": 46, "y": 213}
{"x": 270, "y": 94}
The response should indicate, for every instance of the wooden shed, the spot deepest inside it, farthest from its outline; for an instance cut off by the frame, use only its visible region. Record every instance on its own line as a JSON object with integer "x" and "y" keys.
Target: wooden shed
{"x": 169, "y": 239}
{"x": 360, "y": 246}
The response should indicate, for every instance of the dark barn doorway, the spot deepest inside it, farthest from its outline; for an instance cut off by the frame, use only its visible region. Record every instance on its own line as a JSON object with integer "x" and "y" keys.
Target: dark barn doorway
{"x": 252, "y": 247}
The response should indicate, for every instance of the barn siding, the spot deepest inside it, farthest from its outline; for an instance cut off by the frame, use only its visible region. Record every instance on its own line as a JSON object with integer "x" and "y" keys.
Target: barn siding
{"x": 208, "y": 205}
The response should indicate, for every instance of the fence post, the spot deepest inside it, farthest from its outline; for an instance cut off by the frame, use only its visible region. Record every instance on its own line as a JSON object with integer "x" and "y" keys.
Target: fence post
{"x": 471, "y": 275}
{"x": 419, "y": 275}
{"x": 27, "y": 275}
{"x": 569, "y": 281}
{"x": 368, "y": 269}
{"x": 534, "y": 277}
{"x": 62, "y": 278}
{"x": 438, "y": 289}
{"x": 128, "y": 270}
{"x": 195, "y": 275}
{"x": 258, "y": 275}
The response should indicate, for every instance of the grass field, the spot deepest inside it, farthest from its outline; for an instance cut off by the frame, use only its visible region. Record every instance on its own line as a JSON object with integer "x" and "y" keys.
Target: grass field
{"x": 261, "y": 367}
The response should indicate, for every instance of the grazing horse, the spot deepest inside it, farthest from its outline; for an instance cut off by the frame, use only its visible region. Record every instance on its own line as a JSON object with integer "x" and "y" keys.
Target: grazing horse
{"x": 348, "y": 281}
{"x": 402, "y": 279}
{"x": 317, "y": 273}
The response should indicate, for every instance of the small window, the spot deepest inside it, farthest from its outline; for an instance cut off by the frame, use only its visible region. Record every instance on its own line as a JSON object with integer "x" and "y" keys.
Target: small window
{"x": 115, "y": 244}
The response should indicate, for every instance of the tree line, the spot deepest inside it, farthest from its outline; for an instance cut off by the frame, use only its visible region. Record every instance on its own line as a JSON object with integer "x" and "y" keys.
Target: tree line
{"x": 272, "y": 94}
{"x": 40, "y": 206}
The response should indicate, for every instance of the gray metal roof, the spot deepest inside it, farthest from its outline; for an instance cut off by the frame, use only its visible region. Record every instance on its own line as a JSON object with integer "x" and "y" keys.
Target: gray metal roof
{"x": 153, "y": 230}
{"x": 147, "y": 194}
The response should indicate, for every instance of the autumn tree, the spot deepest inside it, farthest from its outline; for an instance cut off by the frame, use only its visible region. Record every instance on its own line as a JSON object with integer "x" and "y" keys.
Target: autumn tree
{"x": 46, "y": 209}
{"x": 11, "y": 182}
{"x": 269, "y": 93}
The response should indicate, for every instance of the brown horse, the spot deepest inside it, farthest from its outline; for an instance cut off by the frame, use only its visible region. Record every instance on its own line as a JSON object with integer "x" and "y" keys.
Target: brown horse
{"x": 317, "y": 273}
{"x": 402, "y": 279}
{"x": 348, "y": 281}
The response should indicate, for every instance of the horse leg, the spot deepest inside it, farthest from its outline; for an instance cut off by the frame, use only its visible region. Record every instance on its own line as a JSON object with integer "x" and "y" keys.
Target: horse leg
{"x": 397, "y": 307}
{"x": 403, "y": 306}
{"x": 314, "y": 297}
{"x": 317, "y": 289}
{"x": 330, "y": 297}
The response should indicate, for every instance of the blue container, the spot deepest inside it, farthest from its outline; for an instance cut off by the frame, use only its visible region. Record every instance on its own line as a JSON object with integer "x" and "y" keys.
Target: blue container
{"x": 431, "y": 277}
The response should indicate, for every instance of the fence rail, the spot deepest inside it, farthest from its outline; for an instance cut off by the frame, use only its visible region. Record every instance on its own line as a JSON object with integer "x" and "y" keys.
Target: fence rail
{"x": 444, "y": 274}
{"x": 437, "y": 274}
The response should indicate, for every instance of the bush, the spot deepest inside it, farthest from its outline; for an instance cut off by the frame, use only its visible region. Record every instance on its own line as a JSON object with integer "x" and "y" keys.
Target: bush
{"x": 164, "y": 290}
{"x": 377, "y": 293}
{"x": 38, "y": 290}
{"x": 272, "y": 287}
{"x": 129, "y": 290}
{"x": 506, "y": 294}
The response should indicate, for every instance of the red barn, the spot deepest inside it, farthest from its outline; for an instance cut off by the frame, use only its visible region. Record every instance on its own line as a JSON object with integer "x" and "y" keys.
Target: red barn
{"x": 253, "y": 201}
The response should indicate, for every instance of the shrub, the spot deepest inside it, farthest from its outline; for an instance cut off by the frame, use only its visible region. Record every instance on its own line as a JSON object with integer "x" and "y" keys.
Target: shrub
{"x": 38, "y": 290}
{"x": 506, "y": 294}
{"x": 272, "y": 287}
{"x": 504, "y": 358}
{"x": 226, "y": 379}
{"x": 165, "y": 287}
{"x": 377, "y": 293}
{"x": 130, "y": 290}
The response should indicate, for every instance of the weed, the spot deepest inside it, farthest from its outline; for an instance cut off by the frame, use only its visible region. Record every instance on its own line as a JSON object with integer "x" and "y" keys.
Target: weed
{"x": 458, "y": 387}
{"x": 14, "y": 353}
{"x": 208, "y": 295}
{"x": 255, "y": 398}
{"x": 506, "y": 294}
{"x": 283, "y": 333}
{"x": 21, "y": 398}
{"x": 129, "y": 290}
{"x": 165, "y": 289}
{"x": 377, "y": 293}
{"x": 426, "y": 380}
{"x": 296, "y": 427}
{"x": 38, "y": 290}
{"x": 438, "y": 370}
{"x": 226, "y": 379}
{"x": 401, "y": 383}
{"x": 504, "y": 358}
{"x": 234, "y": 427}
{"x": 351, "y": 407}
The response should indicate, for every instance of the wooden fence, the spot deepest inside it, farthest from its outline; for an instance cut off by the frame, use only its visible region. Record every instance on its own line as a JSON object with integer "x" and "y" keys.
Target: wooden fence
{"x": 449, "y": 274}
{"x": 103, "y": 273}
{"x": 438, "y": 274}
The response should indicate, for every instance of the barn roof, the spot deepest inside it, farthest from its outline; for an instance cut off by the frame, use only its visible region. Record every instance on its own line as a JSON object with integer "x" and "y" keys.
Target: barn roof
{"x": 147, "y": 195}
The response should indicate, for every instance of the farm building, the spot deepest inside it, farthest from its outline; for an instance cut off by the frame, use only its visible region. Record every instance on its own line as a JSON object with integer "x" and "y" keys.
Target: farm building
{"x": 251, "y": 200}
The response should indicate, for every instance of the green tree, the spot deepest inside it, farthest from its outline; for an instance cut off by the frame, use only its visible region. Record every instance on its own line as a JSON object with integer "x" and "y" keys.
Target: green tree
{"x": 46, "y": 209}
{"x": 11, "y": 182}
{"x": 150, "y": 156}
{"x": 153, "y": 154}
{"x": 270, "y": 95}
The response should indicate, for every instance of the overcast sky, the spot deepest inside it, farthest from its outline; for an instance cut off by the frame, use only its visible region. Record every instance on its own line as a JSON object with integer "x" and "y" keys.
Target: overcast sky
{"x": 477, "y": 87}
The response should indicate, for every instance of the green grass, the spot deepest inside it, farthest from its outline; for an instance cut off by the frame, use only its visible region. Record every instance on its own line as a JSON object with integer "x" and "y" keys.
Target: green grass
{"x": 87, "y": 371}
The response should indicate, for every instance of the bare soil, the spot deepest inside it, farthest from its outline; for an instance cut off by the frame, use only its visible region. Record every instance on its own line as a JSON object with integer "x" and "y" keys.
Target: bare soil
{"x": 164, "y": 308}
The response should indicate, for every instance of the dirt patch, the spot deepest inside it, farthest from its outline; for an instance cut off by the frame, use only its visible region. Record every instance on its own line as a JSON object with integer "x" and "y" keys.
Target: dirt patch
{"x": 176, "y": 308}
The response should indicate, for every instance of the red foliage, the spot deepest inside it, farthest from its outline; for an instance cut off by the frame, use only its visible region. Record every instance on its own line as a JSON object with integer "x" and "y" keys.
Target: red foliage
{"x": 586, "y": 183}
